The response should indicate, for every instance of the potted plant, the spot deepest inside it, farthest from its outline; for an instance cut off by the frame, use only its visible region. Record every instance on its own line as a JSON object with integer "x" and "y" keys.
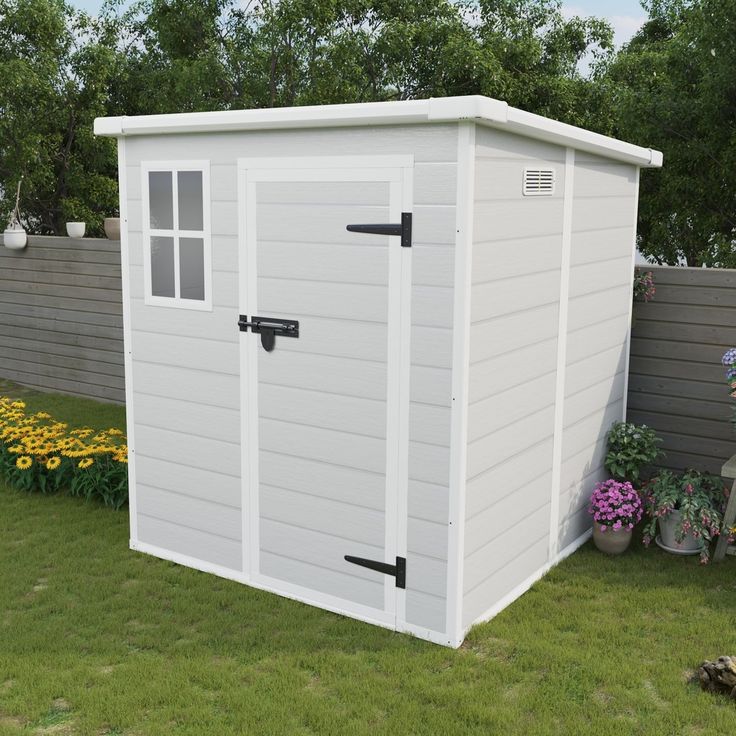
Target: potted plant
{"x": 631, "y": 449}
{"x": 616, "y": 508}
{"x": 688, "y": 510}
{"x": 112, "y": 228}
{"x": 15, "y": 234}
{"x": 75, "y": 229}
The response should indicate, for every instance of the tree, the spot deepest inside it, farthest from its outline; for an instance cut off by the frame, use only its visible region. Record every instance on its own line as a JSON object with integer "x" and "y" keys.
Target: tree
{"x": 54, "y": 66}
{"x": 674, "y": 89}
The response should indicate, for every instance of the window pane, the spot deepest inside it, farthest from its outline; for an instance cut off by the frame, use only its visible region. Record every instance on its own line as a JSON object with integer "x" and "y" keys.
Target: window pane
{"x": 190, "y": 200}
{"x": 191, "y": 268}
{"x": 162, "y": 266}
{"x": 161, "y": 200}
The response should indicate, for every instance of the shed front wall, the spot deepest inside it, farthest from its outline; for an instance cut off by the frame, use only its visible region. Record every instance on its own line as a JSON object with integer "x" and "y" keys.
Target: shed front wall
{"x": 186, "y": 378}
{"x": 550, "y": 305}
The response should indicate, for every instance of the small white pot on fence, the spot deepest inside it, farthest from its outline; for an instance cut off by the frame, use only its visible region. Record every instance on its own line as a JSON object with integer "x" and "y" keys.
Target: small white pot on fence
{"x": 15, "y": 239}
{"x": 75, "y": 229}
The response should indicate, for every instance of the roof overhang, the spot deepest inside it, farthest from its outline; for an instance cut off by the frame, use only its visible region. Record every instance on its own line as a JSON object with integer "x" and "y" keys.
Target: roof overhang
{"x": 482, "y": 110}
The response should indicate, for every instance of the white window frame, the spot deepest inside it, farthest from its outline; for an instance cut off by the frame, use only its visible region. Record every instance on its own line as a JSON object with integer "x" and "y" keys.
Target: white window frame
{"x": 205, "y": 234}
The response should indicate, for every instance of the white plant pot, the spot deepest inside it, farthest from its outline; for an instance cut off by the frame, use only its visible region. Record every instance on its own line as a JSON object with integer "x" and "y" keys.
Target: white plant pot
{"x": 112, "y": 228}
{"x": 75, "y": 229}
{"x": 15, "y": 239}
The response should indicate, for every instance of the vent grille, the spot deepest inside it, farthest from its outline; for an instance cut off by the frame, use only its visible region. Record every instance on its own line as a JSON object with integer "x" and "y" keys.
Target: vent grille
{"x": 539, "y": 182}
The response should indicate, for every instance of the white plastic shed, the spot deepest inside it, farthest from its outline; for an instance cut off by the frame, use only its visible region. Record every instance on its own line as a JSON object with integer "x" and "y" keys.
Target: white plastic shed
{"x": 429, "y": 400}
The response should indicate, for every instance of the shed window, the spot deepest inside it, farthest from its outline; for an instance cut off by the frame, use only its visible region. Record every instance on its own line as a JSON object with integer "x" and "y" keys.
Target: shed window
{"x": 176, "y": 234}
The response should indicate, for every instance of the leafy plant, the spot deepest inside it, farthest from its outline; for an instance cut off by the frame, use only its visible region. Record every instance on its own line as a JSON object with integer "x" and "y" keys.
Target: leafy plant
{"x": 699, "y": 497}
{"x": 631, "y": 448}
{"x": 615, "y": 505}
{"x": 38, "y": 453}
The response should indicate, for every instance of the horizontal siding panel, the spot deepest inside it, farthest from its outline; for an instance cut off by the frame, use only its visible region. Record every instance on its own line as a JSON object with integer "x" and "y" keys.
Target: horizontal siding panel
{"x": 513, "y": 295}
{"x": 504, "y": 550}
{"x": 426, "y": 611}
{"x": 187, "y": 352}
{"x": 594, "y": 369}
{"x": 324, "y": 515}
{"x": 428, "y": 501}
{"x": 695, "y": 277}
{"x": 177, "y": 447}
{"x": 689, "y": 314}
{"x": 674, "y": 368}
{"x": 598, "y": 338}
{"x": 428, "y": 539}
{"x": 512, "y": 508}
{"x": 206, "y": 485}
{"x": 597, "y": 424}
{"x": 212, "y": 422}
{"x": 493, "y": 261}
{"x": 493, "y": 145}
{"x": 194, "y": 513}
{"x": 513, "y": 331}
{"x": 324, "y": 445}
{"x": 494, "y": 448}
{"x": 337, "y": 583}
{"x": 499, "y": 221}
{"x": 681, "y": 404}
{"x": 527, "y": 563}
{"x": 20, "y": 337}
{"x": 85, "y": 322}
{"x": 323, "y": 479}
{"x": 40, "y": 275}
{"x": 497, "y": 411}
{"x": 100, "y": 376}
{"x": 191, "y": 542}
{"x": 80, "y": 363}
{"x": 428, "y": 143}
{"x": 591, "y": 278}
{"x": 512, "y": 369}
{"x": 429, "y": 463}
{"x": 199, "y": 387}
{"x": 220, "y": 325}
{"x": 710, "y": 296}
{"x": 693, "y": 389}
{"x": 703, "y": 334}
{"x": 601, "y": 213}
{"x": 503, "y": 179}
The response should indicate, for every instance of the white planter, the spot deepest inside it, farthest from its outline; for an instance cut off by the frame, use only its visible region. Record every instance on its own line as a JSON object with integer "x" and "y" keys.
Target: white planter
{"x": 15, "y": 239}
{"x": 112, "y": 228}
{"x": 75, "y": 229}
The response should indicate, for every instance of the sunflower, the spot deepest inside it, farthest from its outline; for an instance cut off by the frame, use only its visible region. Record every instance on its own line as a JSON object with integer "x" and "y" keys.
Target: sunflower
{"x": 85, "y": 462}
{"x": 52, "y": 463}
{"x": 23, "y": 462}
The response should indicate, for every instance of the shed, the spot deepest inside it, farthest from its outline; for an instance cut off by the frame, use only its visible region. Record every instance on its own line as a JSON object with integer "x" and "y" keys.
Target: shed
{"x": 372, "y": 350}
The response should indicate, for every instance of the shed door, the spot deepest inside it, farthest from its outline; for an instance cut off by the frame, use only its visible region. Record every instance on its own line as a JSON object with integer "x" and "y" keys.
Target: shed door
{"x": 326, "y": 413}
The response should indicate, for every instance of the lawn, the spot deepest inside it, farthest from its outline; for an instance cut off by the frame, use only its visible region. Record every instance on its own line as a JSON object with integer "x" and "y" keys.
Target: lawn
{"x": 96, "y": 639}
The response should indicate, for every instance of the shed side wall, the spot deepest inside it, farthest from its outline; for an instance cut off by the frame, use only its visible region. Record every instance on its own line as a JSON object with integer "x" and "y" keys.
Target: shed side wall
{"x": 186, "y": 364}
{"x": 601, "y": 269}
{"x": 517, "y": 247}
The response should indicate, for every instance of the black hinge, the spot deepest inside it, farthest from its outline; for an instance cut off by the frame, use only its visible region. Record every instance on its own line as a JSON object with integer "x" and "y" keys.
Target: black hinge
{"x": 398, "y": 570}
{"x": 403, "y": 229}
{"x": 268, "y": 328}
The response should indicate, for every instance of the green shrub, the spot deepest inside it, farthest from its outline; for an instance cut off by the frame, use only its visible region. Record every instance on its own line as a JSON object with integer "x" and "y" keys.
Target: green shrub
{"x": 631, "y": 448}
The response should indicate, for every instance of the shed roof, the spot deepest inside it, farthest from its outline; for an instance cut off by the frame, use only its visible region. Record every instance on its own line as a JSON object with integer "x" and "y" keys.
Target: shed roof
{"x": 482, "y": 110}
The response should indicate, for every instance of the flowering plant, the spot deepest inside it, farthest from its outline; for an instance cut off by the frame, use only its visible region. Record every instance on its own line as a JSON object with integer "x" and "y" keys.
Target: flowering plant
{"x": 615, "y": 505}
{"x": 39, "y": 453}
{"x": 644, "y": 285}
{"x": 631, "y": 449}
{"x": 699, "y": 497}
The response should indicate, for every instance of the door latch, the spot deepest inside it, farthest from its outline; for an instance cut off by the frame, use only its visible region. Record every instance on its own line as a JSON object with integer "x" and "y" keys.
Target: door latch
{"x": 402, "y": 229}
{"x": 268, "y": 328}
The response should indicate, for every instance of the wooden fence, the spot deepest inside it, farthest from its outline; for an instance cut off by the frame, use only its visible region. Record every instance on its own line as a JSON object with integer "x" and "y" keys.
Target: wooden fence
{"x": 677, "y": 384}
{"x": 61, "y": 316}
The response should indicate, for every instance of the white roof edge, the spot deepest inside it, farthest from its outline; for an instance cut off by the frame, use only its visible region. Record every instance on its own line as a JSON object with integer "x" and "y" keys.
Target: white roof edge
{"x": 482, "y": 110}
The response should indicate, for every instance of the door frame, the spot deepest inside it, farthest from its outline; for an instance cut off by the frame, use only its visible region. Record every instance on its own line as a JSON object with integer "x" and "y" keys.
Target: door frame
{"x": 398, "y": 172}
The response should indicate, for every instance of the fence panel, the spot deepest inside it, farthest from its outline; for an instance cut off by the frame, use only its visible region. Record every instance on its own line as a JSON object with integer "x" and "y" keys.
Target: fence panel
{"x": 677, "y": 384}
{"x": 61, "y": 316}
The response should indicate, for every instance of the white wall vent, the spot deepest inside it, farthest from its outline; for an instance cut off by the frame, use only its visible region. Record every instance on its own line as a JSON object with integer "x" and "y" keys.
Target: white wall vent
{"x": 539, "y": 182}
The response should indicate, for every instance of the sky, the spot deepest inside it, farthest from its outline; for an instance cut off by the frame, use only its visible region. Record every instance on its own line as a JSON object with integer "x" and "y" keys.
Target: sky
{"x": 626, "y": 16}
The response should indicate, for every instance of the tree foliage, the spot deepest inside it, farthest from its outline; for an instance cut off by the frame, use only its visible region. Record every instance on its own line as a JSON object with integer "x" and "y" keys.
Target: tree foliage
{"x": 673, "y": 88}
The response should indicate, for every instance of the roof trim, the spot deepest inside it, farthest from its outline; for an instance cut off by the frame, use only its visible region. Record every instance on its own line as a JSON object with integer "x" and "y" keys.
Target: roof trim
{"x": 483, "y": 110}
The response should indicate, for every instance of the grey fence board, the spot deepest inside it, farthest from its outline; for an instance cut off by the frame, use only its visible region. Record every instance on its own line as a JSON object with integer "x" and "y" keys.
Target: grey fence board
{"x": 61, "y": 316}
{"x": 677, "y": 384}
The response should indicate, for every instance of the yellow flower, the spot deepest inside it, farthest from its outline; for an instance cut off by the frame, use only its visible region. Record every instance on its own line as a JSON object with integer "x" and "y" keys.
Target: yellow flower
{"x": 23, "y": 462}
{"x": 115, "y": 432}
{"x": 16, "y": 449}
{"x": 52, "y": 463}
{"x": 85, "y": 463}
{"x": 18, "y": 405}
{"x": 43, "y": 415}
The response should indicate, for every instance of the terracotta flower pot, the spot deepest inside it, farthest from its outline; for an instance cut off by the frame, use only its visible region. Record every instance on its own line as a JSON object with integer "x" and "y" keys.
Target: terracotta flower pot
{"x": 611, "y": 541}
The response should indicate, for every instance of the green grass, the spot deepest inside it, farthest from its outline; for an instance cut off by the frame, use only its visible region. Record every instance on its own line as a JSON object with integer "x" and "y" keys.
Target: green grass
{"x": 96, "y": 639}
